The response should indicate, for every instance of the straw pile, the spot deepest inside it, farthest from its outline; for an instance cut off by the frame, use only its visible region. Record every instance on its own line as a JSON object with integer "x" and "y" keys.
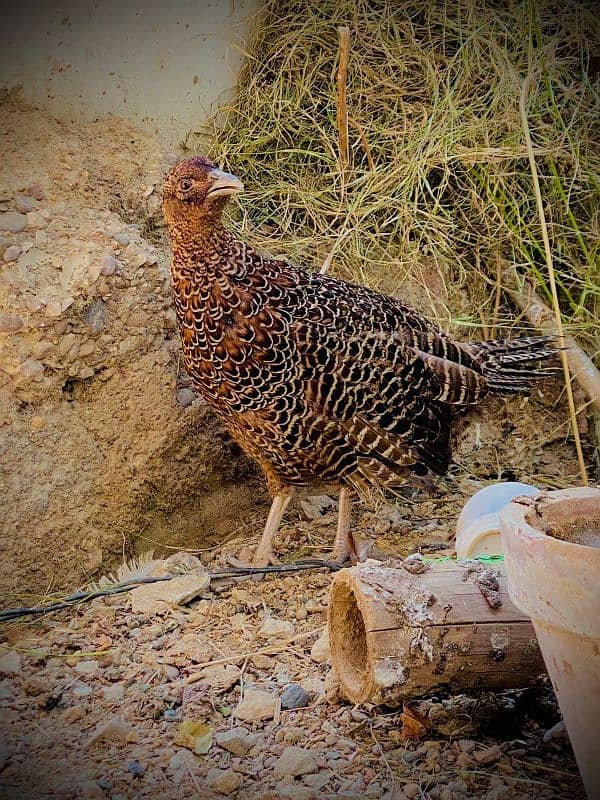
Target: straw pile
{"x": 437, "y": 201}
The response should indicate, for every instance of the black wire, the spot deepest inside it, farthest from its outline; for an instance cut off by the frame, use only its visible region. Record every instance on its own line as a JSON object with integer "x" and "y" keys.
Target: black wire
{"x": 225, "y": 572}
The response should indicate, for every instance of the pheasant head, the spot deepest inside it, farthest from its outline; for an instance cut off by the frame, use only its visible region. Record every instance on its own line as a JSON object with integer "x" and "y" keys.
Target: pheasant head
{"x": 194, "y": 194}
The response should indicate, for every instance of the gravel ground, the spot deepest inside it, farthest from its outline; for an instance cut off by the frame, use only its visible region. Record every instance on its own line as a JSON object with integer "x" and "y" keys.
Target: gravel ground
{"x": 232, "y": 694}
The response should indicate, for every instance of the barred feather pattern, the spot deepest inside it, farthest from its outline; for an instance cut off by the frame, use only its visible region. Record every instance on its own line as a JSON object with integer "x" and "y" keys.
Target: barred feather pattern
{"x": 316, "y": 378}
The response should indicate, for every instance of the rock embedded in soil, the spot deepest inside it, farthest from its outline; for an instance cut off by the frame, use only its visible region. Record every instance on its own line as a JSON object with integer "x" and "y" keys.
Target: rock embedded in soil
{"x": 154, "y": 598}
{"x": 317, "y": 506}
{"x": 279, "y": 628}
{"x": 236, "y": 740}
{"x": 185, "y": 397}
{"x": 12, "y": 253}
{"x": 110, "y": 266}
{"x": 89, "y": 790}
{"x": 10, "y": 663}
{"x": 113, "y": 731}
{"x": 256, "y": 705}
{"x": 294, "y": 761}
{"x": 86, "y": 667}
{"x": 225, "y": 781}
{"x": 12, "y": 221}
{"x": 24, "y": 204}
{"x": 114, "y": 692}
{"x": 220, "y": 676}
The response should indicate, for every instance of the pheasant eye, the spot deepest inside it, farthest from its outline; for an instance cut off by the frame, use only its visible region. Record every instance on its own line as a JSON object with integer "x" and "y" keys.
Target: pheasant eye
{"x": 185, "y": 185}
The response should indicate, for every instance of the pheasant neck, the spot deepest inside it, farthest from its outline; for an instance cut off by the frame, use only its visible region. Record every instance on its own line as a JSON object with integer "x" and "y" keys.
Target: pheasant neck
{"x": 199, "y": 247}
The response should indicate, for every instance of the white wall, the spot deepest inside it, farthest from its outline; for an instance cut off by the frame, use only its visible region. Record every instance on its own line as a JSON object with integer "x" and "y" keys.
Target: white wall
{"x": 162, "y": 65}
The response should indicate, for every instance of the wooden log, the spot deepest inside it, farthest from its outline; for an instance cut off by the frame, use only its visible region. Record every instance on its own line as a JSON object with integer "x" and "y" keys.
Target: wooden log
{"x": 396, "y": 635}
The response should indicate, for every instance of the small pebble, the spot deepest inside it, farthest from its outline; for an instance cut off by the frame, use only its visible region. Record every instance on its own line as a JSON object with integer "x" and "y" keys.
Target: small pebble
{"x": 135, "y": 768}
{"x": 280, "y": 628}
{"x": 294, "y": 696}
{"x": 415, "y": 564}
{"x": 236, "y": 740}
{"x": 294, "y": 761}
{"x": 36, "y": 191}
{"x": 12, "y": 253}
{"x": 110, "y": 265}
{"x": 72, "y": 714}
{"x": 12, "y": 221}
{"x": 488, "y": 756}
{"x": 86, "y": 667}
{"x": 111, "y": 731}
{"x": 96, "y": 315}
{"x": 114, "y": 692}
{"x": 10, "y": 663}
{"x": 256, "y": 705}
{"x": 320, "y": 651}
{"x": 82, "y": 690}
{"x": 24, "y": 204}
{"x": 411, "y": 790}
{"x": 89, "y": 790}
{"x": 185, "y": 397}
{"x": 225, "y": 781}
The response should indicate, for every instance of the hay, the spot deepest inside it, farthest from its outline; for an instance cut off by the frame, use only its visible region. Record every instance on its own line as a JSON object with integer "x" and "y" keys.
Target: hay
{"x": 438, "y": 193}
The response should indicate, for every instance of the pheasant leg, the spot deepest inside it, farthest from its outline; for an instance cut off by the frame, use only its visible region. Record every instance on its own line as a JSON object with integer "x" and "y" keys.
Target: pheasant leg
{"x": 263, "y": 555}
{"x": 344, "y": 548}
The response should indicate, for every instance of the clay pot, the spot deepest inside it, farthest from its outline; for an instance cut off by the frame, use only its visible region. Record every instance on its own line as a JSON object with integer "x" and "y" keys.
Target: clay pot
{"x": 552, "y": 552}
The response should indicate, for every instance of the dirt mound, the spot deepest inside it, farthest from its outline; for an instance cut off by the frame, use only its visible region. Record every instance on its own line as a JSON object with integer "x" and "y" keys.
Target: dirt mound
{"x": 101, "y": 441}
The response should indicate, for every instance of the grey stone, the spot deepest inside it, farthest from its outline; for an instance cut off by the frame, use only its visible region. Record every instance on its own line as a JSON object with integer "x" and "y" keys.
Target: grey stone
{"x": 135, "y": 768}
{"x": 12, "y": 221}
{"x": 86, "y": 667}
{"x": 24, "y": 204}
{"x": 10, "y": 663}
{"x": 236, "y": 741}
{"x": 12, "y": 253}
{"x": 294, "y": 696}
{"x": 316, "y": 506}
{"x": 185, "y": 397}
{"x": 96, "y": 315}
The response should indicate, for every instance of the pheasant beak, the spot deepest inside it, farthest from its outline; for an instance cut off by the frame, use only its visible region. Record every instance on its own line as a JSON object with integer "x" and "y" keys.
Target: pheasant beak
{"x": 224, "y": 184}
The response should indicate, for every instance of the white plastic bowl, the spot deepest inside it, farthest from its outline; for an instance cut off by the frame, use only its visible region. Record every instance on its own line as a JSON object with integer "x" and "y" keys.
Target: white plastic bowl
{"x": 478, "y": 526}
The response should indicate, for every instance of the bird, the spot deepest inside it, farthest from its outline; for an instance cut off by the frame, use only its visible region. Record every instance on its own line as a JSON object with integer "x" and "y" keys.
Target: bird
{"x": 319, "y": 380}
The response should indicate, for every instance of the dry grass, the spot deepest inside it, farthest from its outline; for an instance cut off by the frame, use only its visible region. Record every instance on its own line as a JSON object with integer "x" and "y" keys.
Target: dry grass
{"x": 438, "y": 194}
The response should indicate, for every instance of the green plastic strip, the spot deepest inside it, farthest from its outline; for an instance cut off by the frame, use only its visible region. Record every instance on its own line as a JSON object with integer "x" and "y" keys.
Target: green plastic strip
{"x": 485, "y": 559}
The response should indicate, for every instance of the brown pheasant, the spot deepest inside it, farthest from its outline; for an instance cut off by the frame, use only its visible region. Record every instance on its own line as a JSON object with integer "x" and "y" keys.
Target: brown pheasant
{"x": 317, "y": 379}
